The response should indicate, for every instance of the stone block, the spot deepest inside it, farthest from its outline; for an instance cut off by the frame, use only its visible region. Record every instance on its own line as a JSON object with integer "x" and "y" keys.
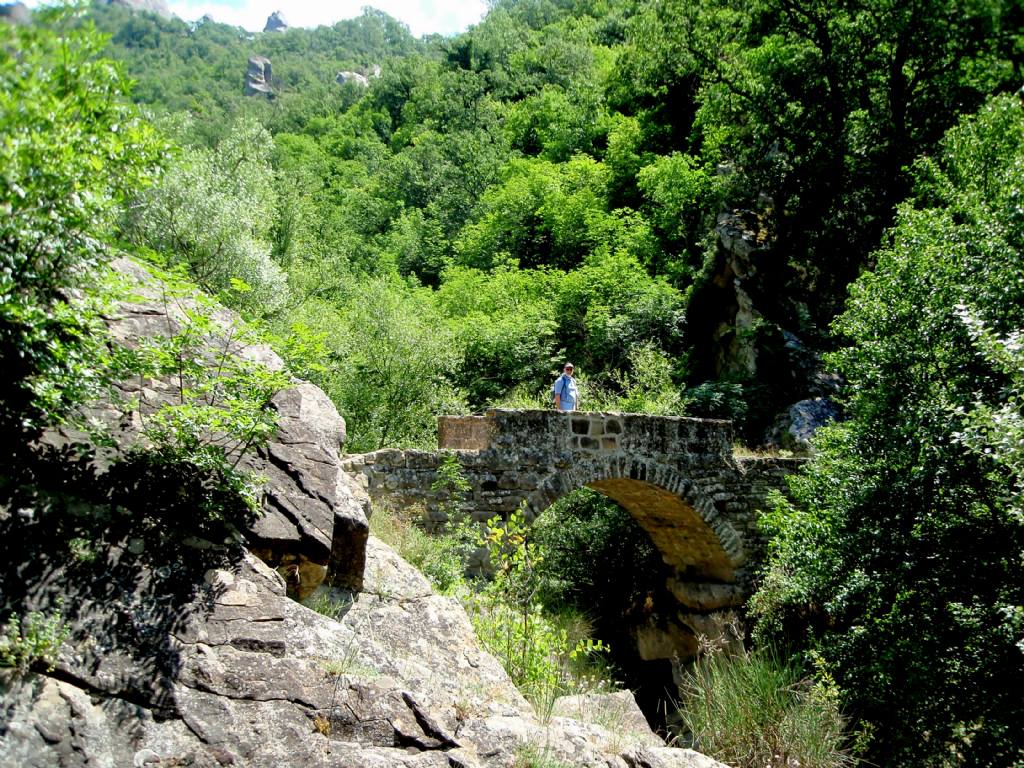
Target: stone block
{"x": 464, "y": 432}
{"x": 701, "y": 596}
{"x": 508, "y": 481}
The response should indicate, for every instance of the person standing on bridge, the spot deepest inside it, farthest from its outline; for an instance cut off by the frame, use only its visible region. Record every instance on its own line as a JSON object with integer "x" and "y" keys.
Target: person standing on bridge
{"x": 564, "y": 390}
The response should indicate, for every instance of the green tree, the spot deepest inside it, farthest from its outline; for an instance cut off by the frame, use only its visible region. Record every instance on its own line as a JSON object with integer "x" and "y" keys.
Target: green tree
{"x": 504, "y": 324}
{"x": 902, "y": 544}
{"x": 213, "y": 211}
{"x": 72, "y": 150}
{"x": 817, "y": 106}
{"x": 392, "y": 379}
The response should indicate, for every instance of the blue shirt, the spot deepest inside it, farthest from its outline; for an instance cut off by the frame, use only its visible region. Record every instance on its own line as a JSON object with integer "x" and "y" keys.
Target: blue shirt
{"x": 565, "y": 388}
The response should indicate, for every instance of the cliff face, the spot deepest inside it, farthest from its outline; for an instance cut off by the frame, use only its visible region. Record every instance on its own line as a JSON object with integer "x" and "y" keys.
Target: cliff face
{"x": 186, "y": 646}
{"x": 747, "y": 328}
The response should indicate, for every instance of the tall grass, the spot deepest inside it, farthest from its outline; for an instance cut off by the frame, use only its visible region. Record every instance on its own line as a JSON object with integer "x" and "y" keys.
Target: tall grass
{"x": 754, "y": 710}
{"x": 439, "y": 557}
{"x": 546, "y": 655}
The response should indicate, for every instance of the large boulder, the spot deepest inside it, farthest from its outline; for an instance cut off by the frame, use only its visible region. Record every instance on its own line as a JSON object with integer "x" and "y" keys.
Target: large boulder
{"x": 258, "y": 76}
{"x": 313, "y": 521}
{"x": 15, "y": 13}
{"x": 794, "y": 427}
{"x": 352, "y": 77}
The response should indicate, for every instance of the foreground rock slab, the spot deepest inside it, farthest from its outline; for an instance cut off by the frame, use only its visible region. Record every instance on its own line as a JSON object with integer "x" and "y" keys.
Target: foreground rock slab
{"x": 257, "y": 679}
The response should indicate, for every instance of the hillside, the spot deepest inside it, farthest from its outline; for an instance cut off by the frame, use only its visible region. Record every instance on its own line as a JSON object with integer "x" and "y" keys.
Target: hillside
{"x": 567, "y": 151}
{"x": 802, "y": 217}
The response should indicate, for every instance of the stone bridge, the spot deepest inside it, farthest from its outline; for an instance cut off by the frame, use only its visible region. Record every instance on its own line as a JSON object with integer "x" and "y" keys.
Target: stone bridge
{"x": 676, "y": 476}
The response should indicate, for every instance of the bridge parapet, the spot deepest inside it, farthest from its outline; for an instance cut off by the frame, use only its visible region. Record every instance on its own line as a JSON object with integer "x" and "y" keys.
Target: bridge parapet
{"x": 588, "y": 432}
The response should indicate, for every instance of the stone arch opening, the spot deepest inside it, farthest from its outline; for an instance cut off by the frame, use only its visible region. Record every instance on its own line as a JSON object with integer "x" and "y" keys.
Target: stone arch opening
{"x": 698, "y": 578}
{"x": 684, "y": 526}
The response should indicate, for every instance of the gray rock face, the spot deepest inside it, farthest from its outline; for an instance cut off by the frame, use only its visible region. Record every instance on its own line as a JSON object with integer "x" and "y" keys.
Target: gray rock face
{"x": 275, "y": 23}
{"x": 15, "y": 13}
{"x": 742, "y": 244}
{"x": 257, "y": 679}
{"x": 258, "y": 76}
{"x": 794, "y": 428}
{"x": 352, "y": 77}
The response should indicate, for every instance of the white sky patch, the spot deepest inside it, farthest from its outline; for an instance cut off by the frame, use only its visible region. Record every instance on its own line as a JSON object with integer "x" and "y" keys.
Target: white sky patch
{"x": 424, "y": 17}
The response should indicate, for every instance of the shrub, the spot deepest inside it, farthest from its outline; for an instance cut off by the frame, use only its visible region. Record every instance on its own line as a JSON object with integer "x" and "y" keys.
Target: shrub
{"x": 539, "y": 655}
{"x": 754, "y": 710}
{"x": 897, "y": 554}
{"x": 212, "y": 211}
{"x": 34, "y": 639}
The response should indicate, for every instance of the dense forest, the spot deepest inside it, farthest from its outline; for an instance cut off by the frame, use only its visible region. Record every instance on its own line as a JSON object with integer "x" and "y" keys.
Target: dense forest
{"x": 558, "y": 183}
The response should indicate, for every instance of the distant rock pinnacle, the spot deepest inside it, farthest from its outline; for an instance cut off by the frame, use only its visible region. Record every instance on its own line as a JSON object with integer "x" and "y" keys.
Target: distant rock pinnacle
{"x": 276, "y": 23}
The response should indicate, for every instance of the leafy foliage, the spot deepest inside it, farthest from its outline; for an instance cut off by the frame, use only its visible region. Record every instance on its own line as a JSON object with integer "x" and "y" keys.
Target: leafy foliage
{"x": 539, "y": 655}
{"x": 72, "y": 151}
{"x": 33, "y": 640}
{"x": 212, "y": 211}
{"x": 901, "y": 545}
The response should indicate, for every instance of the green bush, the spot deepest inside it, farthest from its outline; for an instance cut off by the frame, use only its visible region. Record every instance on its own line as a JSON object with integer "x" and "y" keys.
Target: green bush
{"x": 754, "y": 710}
{"x": 72, "y": 151}
{"x": 212, "y": 211}
{"x": 33, "y": 640}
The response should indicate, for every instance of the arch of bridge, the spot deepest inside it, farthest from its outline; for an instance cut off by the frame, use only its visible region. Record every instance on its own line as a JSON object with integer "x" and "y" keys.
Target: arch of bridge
{"x": 682, "y": 522}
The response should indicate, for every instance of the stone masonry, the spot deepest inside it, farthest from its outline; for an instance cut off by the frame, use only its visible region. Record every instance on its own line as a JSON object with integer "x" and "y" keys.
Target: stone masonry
{"x": 676, "y": 476}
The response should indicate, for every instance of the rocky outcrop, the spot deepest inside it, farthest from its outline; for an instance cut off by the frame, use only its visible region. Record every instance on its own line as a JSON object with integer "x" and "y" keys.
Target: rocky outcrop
{"x": 275, "y": 23}
{"x": 15, "y": 13}
{"x": 744, "y": 249}
{"x": 746, "y": 327}
{"x": 361, "y": 79}
{"x": 258, "y": 76}
{"x": 794, "y": 428}
{"x": 352, "y": 77}
{"x": 243, "y": 675}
